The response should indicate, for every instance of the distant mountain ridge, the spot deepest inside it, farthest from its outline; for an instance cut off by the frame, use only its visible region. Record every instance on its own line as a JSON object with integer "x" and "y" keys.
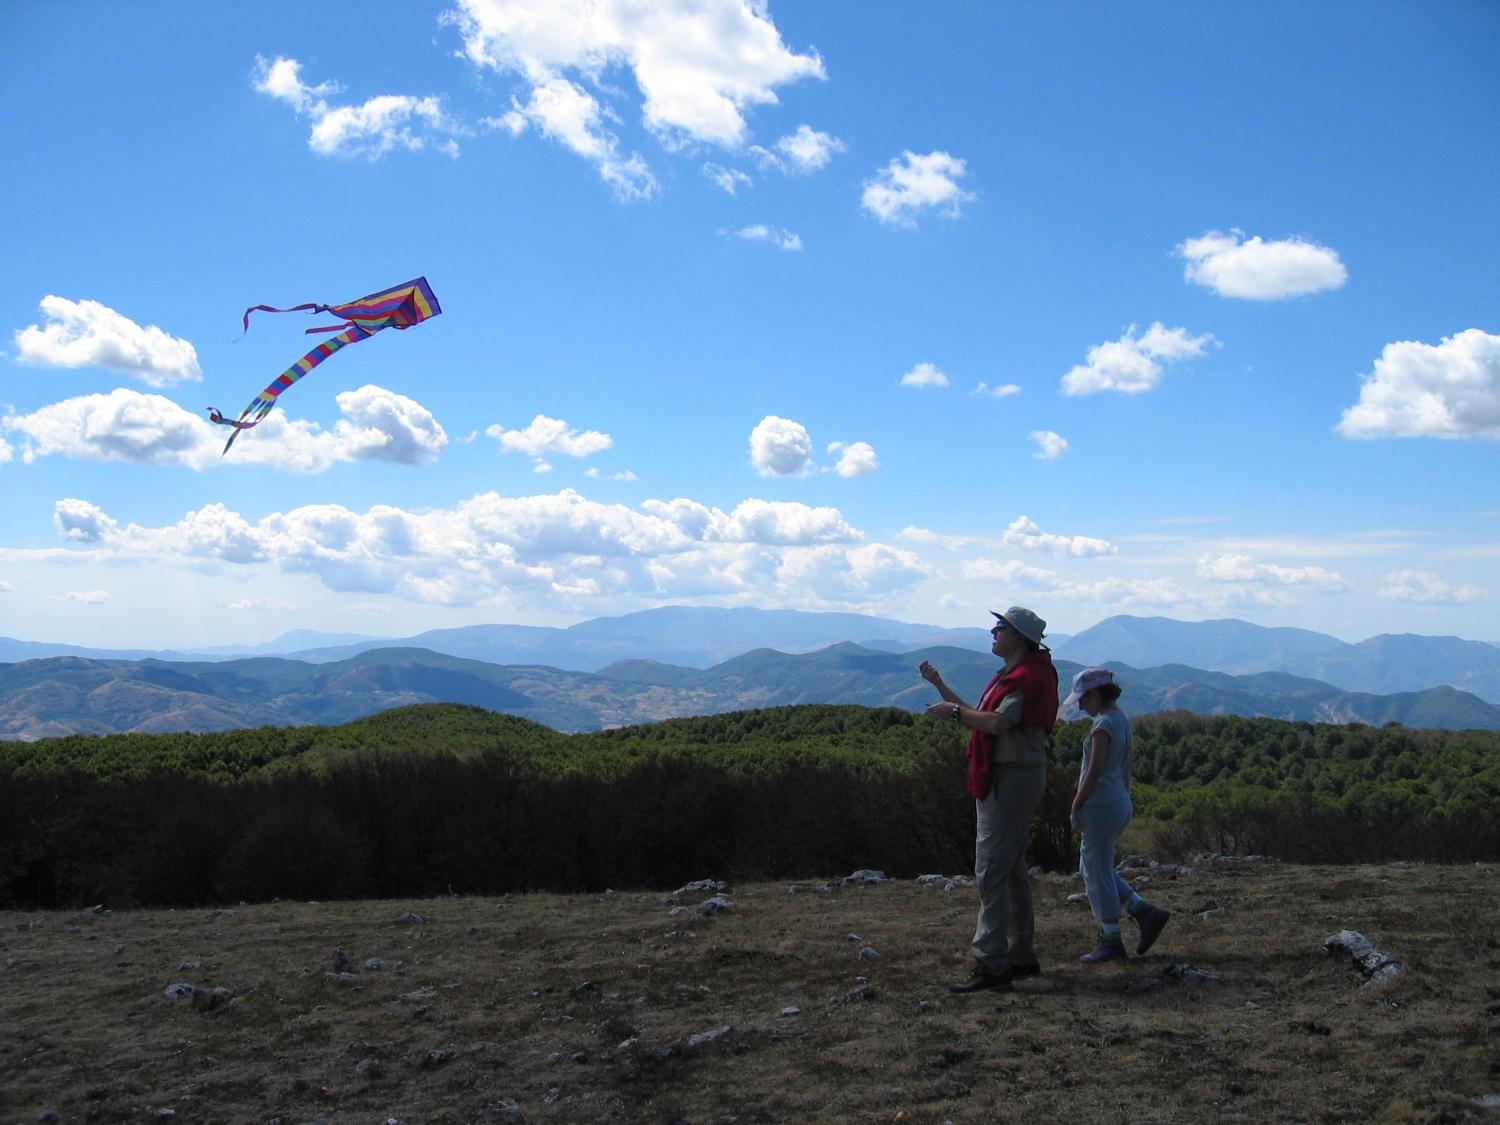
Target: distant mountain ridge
{"x": 1382, "y": 665}
{"x": 66, "y": 695}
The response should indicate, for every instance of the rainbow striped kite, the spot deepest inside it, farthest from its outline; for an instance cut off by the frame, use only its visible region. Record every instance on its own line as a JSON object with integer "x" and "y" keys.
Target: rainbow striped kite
{"x": 400, "y": 306}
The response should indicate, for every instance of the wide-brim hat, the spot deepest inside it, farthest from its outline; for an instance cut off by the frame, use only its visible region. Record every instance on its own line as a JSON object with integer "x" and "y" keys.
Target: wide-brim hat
{"x": 1023, "y": 621}
{"x": 1085, "y": 682}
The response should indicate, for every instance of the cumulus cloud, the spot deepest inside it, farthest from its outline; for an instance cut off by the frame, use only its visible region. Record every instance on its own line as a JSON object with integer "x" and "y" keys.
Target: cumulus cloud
{"x": 88, "y": 334}
{"x": 804, "y": 151}
{"x": 125, "y": 425}
{"x": 1023, "y": 533}
{"x": 565, "y": 112}
{"x": 729, "y": 180}
{"x": 371, "y": 129}
{"x": 1050, "y": 446}
{"x": 1424, "y": 586}
{"x": 855, "y": 458}
{"x": 924, "y": 375}
{"x": 493, "y": 549}
{"x": 1446, "y": 390}
{"x": 759, "y": 232}
{"x": 623, "y": 475}
{"x": 549, "y": 436}
{"x": 1255, "y": 270}
{"x": 910, "y": 185}
{"x": 1133, "y": 363}
{"x": 1002, "y": 390}
{"x": 1244, "y": 569}
{"x": 780, "y": 447}
{"x": 699, "y": 68}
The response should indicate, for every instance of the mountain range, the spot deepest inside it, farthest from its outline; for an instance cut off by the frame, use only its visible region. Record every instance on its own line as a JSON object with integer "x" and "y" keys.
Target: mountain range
{"x": 69, "y": 694}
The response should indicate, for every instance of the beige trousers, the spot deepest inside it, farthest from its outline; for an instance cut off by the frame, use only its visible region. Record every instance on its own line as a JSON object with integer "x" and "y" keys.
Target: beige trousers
{"x": 1006, "y": 932}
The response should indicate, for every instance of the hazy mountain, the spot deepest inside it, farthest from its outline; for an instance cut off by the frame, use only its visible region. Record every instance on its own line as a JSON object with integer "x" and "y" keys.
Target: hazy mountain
{"x": 298, "y": 640}
{"x": 64, "y": 695}
{"x": 690, "y": 636}
{"x": 1384, "y": 664}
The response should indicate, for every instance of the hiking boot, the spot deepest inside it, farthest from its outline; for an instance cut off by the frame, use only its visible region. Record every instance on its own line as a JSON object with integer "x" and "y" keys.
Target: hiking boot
{"x": 1105, "y": 951}
{"x": 1153, "y": 920}
{"x": 981, "y": 978}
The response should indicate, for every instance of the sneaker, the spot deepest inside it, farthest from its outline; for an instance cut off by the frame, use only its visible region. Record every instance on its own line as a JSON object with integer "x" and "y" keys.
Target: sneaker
{"x": 1105, "y": 951}
{"x": 982, "y": 978}
{"x": 1153, "y": 921}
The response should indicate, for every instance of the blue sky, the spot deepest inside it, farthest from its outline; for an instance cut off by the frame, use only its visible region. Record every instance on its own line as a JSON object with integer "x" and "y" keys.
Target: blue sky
{"x": 919, "y": 310}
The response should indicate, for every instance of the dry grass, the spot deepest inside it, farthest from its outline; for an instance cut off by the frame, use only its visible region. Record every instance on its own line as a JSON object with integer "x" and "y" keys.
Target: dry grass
{"x": 1285, "y": 1034}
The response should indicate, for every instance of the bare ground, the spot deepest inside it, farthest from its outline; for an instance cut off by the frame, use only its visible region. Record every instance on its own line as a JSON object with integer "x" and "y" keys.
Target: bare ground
{"x": 583, "y": 1008}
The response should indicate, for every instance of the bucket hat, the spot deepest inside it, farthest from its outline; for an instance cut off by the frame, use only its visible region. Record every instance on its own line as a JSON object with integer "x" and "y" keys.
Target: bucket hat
{"x": 1023, "y": 621}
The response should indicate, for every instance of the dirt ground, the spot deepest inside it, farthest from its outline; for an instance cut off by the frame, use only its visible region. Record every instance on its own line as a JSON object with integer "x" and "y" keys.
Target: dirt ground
{"x": 605, "y": 1008}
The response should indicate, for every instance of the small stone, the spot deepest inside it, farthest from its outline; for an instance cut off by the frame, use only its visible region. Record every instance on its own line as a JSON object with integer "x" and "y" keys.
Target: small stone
{"x": 50, "y": 1041}
{"x": 340, "y": 961}
{"x": 580, "y": 1057}
{"x": 408, "y": 918}
{"x": 626, "y": 1044}
{"x": 712, "y": 1035}
{"x": 119, "y": 949}
{"x": 791, "y": 1011}
{"x": 1081, "y": 896}
{"x": 187, "y": 966}
{"x": 868, "y": 954}
{"x": 438, "y": 1056}
{"x": 716, "y": 905}
{"x": 867, "y": 875}
{"x": 584, "y": 986}
{"x": 368, "y": 1068}
{"x": 340, "y": 978}
{"x": 374, "y": 965}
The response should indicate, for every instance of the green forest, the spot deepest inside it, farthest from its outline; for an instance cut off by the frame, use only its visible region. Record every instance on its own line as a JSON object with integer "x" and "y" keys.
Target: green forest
{"x": 445, "y": 798}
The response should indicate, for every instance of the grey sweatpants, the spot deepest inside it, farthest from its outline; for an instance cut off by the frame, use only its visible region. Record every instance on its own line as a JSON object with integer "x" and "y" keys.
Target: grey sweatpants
{"x": 1006, "y": 932}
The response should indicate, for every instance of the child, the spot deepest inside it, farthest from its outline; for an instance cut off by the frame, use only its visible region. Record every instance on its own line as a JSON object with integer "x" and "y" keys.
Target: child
{"x": 1101, "y": 810}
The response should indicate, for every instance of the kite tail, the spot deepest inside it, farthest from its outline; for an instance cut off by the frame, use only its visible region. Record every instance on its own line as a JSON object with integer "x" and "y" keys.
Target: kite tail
{"x": 263, "y": 403}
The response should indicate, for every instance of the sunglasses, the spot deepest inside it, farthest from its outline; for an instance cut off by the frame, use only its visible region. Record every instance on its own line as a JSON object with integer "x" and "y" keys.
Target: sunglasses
{"x": 1000, "y": 628}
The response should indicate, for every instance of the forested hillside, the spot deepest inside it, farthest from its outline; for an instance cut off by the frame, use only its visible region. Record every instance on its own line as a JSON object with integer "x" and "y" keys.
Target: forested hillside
{"x": 421, "y": 799}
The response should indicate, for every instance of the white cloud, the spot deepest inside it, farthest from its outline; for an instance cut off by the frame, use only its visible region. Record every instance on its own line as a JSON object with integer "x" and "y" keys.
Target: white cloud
{"x": 1024, "y": 534}
{"x": 855, "y": 458}
{"x": 82, "y": 597}
{"x": 88, "y": 334}
{"x": 371, "y": 129}
{"x": 1424, "y": 586}
{"x": 1244, "y": 569}
{"x": 257, "y": 604}
{"x": 567, "y": 113}
{"x": 549, "y": 435}
{"x": 759, "y": 232}
{"x": 780, "y": 447}
{"x": 125, "y": 425}
{"x": 924, "y": 375}
{"x": 623, "y": 475}
{"x": 911, "y": 184}
{"x": 495, "y": 550}
{"x": 1003, "y": 390}
{"x": 6, "y": 453}
{"x": 1050, "y": 445}
{"x": 729, "y": 180}
{"x": 699, "y": 67}
{"x": 1256, "y": 270}
{"x": 1130, "y": 364}
{"x": 1447, "y": 390}
{"x": 1012, "y": 572}
{"x": 804, "y": 151}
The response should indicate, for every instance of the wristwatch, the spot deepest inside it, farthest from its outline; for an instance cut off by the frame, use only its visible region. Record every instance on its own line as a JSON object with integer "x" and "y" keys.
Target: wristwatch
{"x": 957, "y": 712}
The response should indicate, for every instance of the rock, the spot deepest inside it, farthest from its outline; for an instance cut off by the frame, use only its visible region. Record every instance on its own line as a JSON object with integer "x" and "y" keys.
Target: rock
{"x": 1133, "y": 861}
{"x": 702, "y": 887}
{"x": 861, "y": 991}
{"x": 626, "y": 1044}
{"x": 1375, "y": 965}
{"x": 1080, "y": 896}
{"x": 712, "y": 1035}
{"x": 49, "y": 1041}
{"x": 438, "y": 1056}
{"x": 119, "y": 949}
{"x": 868, "y": 954}
{"x": 584, "y": 986}
{"x": 408, "y": 918}
{"x": 504, "y": 1110}
{"x": 340, "y": 978}
{"x": 1183, "y": 971}
{"x": 867, "y": 876}
{"x": 369, "y": 1068}
{"x": 716, "y": 905}
{"x": 340, "y": 961}
{"x": 374, "y": 965}
{"x": 48, "y": 1115}
{"x": 810, "y": 888}
{"x": 851, "y": 937}
{"x": 677, "y": 911}
{"x": 187, "y": 966}
{"x": 1033, "y": 872}
{"x": 789, "y": 1010}
{"x": 580, "y": 1057}
{"x": 179, "y": 992}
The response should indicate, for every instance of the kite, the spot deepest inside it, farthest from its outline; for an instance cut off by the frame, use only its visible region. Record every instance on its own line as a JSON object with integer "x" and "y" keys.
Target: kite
{"x": 400, "y": 306}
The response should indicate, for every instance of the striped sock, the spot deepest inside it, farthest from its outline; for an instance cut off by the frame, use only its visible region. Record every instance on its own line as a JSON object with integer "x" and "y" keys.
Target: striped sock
{"x": 1136, "y": 904}
{"x": 1109, "y": 933}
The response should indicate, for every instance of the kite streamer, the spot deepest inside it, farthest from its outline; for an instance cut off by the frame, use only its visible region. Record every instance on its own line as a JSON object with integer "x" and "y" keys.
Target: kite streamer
{"x": 400, "y": 307}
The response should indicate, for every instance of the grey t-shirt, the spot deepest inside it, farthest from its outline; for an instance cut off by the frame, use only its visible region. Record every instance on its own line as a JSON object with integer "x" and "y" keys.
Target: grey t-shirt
{"x": 1019, "y": 746}
{"x": 1114, "y": 781}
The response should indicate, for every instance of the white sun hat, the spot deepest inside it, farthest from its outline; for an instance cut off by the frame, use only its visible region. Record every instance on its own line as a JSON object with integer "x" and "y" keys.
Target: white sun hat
{"x": 1085, "y": 682}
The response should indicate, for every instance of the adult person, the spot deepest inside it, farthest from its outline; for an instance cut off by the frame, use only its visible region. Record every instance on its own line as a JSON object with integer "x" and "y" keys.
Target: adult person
{"x": 1101, "y": 810}
{"x": 1009, "y": 730}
